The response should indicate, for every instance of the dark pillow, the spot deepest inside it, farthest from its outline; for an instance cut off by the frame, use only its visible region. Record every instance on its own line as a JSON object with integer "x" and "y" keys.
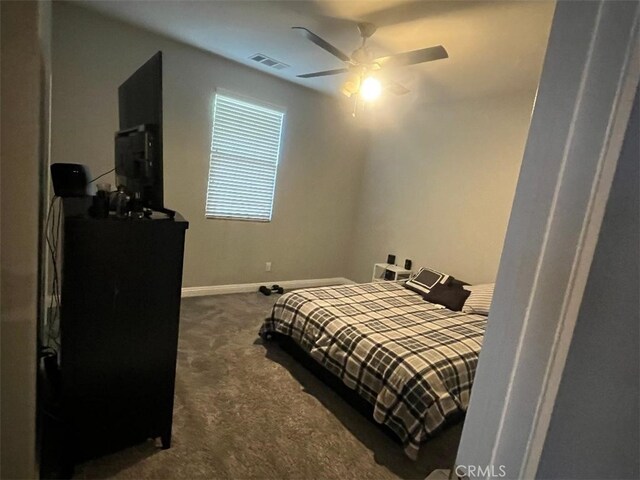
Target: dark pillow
{"x": 457, "y": 283}
{"x": 451, "y": 296}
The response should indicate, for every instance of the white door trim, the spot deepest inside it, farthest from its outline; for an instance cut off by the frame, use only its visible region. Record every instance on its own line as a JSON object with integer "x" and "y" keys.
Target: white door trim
{"x": 584, "y": 255}
{"x": 585, "y": 97}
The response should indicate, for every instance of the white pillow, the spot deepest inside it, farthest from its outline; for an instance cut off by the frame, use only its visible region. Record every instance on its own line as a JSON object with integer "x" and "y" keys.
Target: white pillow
{"x": 480, "y": 299}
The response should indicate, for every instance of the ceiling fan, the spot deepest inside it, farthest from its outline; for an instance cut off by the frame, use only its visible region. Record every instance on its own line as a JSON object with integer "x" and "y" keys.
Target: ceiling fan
{"x": 361, "y": 63}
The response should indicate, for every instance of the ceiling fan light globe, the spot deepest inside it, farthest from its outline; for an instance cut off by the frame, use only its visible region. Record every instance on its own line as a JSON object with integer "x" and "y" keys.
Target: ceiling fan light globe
{"x": 349, "y": 88}
{"x": 370, "y": 89}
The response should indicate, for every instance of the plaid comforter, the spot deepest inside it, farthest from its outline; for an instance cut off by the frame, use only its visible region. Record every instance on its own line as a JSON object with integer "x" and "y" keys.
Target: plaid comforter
{"x": 412, "y": 360}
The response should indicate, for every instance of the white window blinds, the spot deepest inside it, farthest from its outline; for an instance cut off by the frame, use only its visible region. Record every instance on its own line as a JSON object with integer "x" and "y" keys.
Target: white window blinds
{"x": 245, "y": 145}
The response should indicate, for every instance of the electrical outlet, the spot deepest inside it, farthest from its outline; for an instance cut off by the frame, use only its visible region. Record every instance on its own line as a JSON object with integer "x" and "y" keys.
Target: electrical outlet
{"x": 267, "y": 267}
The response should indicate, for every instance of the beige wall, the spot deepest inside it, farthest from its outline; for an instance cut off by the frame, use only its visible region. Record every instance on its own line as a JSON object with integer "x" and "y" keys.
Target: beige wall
{"x": 319, "y": 168}
{"x": 24, "y": 60}
{"x": 344, "y": 199}
{"x": 438, "y": 185}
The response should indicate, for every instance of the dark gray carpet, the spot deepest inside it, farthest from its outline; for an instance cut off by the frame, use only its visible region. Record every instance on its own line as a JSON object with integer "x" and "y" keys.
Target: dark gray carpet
{"x": 248, "y": 410}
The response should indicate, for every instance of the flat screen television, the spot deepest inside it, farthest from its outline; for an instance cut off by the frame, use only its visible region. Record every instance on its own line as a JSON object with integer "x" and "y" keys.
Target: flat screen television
{"x": 138, "y": 143}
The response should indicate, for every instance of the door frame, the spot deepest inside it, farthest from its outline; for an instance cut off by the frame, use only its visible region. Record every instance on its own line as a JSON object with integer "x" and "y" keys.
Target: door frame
{"x": 586, "y": 92}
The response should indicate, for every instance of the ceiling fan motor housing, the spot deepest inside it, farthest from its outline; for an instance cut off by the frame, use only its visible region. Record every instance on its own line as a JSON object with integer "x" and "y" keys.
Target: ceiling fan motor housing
{"x": 362, "y": 56}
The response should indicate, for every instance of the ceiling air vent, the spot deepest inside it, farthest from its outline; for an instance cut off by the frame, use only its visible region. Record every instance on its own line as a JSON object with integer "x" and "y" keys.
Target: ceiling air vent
{"x": 268, "y": 61}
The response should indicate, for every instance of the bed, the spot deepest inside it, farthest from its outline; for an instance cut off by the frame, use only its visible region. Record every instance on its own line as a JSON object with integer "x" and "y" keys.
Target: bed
{"x": 412, "y": 360}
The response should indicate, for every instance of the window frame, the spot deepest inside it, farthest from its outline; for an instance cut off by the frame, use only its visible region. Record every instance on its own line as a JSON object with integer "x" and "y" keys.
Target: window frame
{"x": 254, "y": 103}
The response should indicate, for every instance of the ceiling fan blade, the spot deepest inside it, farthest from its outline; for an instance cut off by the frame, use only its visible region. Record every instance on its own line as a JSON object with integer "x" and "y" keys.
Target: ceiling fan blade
{"x": 323, "y": 44}
{"x": 413, "y": 57}
{"x": 324, "y": 73}
{"x": 396, "y": 88}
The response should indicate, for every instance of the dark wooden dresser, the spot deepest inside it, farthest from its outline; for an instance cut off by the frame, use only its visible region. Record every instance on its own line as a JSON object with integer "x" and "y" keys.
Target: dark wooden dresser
{"x": 119, "y": 319}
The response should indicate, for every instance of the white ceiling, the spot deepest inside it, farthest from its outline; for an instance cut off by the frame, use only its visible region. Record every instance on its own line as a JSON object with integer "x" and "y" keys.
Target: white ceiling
{"x": 493, "y": 47}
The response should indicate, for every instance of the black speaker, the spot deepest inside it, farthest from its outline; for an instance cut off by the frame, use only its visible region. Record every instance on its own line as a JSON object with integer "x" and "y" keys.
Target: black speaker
{"x": 69, "y": 179}
{"x": 407, "y": 264}
{"x": 391, "y": 259}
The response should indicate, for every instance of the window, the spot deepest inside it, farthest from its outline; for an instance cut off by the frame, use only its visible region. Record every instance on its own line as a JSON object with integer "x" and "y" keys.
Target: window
{"x": 245, "y": 145}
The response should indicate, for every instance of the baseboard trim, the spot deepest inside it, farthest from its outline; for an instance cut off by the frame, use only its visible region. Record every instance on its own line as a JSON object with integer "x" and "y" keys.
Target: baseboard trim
{"x": 253, "y": 287}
